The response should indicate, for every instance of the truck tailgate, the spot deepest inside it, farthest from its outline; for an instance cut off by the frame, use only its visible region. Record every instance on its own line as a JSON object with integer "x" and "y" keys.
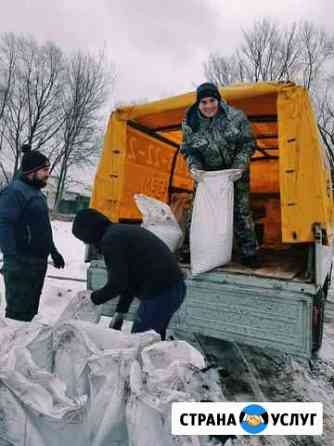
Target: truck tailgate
{"x": 246, "y": 309}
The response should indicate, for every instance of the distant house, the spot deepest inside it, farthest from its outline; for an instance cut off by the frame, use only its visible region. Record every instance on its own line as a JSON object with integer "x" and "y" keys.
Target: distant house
{"x": 75, "y": 197}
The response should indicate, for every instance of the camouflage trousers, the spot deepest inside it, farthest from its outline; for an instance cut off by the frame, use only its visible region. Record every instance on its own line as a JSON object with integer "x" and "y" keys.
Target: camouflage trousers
{"x": 24, "y": 279}
{"x": 244, "y": 228}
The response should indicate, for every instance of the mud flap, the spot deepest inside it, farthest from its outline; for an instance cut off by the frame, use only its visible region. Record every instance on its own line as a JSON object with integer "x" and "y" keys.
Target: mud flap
{"x": 318, "y": 316}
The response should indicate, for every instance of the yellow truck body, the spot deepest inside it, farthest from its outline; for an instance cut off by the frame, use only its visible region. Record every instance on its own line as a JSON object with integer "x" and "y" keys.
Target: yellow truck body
{"x": 140, "y": 155}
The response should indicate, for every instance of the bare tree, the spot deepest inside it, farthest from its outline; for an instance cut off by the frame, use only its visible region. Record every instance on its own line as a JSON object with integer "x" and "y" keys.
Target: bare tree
{"x": 316, "y": 50}
{"x": 43, "y": 77}
{"x": 224, "y": 70}
{"x": 32, "y": 110}
{"x": 53, "y": 102}
{"x": 7, "y": 68}
{"x": 301, "y": 53}
{"x": 325, "y": 106}
{"x": 86, "y": 90}
{"x": 269, "y": 52}
{"x": 261, "y": 51}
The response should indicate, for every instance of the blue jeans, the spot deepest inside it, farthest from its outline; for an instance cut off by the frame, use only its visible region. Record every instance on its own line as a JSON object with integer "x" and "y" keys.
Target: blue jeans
{"x": 155, "y": 314}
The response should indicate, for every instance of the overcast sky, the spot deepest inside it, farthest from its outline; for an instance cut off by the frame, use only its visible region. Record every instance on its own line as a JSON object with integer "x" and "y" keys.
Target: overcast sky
{"x": 157, "y": 46}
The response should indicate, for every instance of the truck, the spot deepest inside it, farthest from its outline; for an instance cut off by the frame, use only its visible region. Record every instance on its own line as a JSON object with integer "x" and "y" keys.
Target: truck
{"x": 281, "y": 304}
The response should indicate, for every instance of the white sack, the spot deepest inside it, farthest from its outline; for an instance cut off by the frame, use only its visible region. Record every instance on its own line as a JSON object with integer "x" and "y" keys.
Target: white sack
{"x": 170, "y": 373}
{"x": 146, "y": 425}
{"x": 95, "y": 361}
{"x": 163, "y": 355}
{"x": 98, "y": 393}
{"x": 57, "y": 304}
{"x": 82, "y": 308}
{"x": 35, "y": 409}
{"x": 211, "y": 231}
{"x": 159, "y": 219}
{"x": 7, "y": 337}
{"x": 108, "y": 378}
{"x": 75, "y": 342}
{"x": 82, "y": 403}
{"x": 36, "y": 337}
{"x": 12, "y": 419}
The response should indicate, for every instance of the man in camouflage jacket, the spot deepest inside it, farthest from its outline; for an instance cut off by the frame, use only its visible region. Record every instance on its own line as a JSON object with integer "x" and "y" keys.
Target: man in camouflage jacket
{"x": 223, "y": 141}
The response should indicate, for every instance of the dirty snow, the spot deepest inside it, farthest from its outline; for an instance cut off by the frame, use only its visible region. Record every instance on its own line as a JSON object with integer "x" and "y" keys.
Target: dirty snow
{"x": 246, "y": 374}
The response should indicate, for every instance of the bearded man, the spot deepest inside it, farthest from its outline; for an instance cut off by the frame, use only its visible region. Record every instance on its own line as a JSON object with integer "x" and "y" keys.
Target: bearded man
{"x": 26, "y": 238}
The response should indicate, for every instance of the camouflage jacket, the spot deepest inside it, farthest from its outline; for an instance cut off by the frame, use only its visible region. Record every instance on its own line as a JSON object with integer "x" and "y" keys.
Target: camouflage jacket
{"x": 222, "y": 142}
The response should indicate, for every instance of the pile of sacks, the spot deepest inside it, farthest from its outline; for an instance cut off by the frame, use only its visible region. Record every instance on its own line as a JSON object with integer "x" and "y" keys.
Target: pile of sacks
{"x": 65, "y": 380}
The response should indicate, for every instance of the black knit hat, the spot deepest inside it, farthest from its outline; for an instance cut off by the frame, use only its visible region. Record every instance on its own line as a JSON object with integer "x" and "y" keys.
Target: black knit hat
{"x": 32, "y": 160}
{"x": 207, "y": 90}
{"x": 89, "y": 225}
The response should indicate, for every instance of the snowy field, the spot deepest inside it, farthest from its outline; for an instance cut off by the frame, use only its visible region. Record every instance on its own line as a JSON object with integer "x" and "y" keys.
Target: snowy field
{"x": 246, "y": 374}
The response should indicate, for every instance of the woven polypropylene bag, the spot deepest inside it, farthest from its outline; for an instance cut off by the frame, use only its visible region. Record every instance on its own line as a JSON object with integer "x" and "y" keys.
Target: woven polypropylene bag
{"x": 211, "y": 231}
{"x": 159, "y": 219}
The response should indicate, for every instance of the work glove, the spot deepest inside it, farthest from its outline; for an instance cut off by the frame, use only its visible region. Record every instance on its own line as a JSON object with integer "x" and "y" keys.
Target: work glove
{"x": 235, "y": 174}
{"x": 197, "y": 174}
{"x": 117, "y": 321}
{"x": 58, "y": 259}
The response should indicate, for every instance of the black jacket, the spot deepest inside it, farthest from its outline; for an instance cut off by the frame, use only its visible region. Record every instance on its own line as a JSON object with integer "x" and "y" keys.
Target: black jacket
{"x": 139, "y": 264}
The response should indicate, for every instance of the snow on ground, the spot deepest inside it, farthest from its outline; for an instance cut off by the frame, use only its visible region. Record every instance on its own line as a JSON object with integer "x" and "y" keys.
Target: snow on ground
{"x": 73, "y": 251}
{"x": 247, "y": 374}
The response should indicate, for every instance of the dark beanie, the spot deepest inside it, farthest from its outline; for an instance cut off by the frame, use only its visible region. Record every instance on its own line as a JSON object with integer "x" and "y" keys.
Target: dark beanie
{"x": 207, "y": 90}
{"x": 32, "y": 160}
{"x": 89, "y": 225}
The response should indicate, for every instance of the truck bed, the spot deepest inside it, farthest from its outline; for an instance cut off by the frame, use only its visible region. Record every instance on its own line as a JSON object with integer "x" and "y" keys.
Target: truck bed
{"x": 256, "y": 307}
{"x": 285, "y": 264}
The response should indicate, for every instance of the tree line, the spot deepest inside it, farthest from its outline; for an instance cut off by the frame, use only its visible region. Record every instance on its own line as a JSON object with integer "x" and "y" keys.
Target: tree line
{"x": 53, "y": 101}
{"x": 300, "y": 52}
{"x": 57, "y": 101}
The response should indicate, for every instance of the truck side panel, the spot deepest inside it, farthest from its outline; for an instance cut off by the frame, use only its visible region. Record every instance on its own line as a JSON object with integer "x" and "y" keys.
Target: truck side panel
{"x": 109, "y": 180}
{"x": 148, "y": 168}
{"x": 239, "y": 310}
{"x": 134, "y": 162}
{"x": 305, "y": 183}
